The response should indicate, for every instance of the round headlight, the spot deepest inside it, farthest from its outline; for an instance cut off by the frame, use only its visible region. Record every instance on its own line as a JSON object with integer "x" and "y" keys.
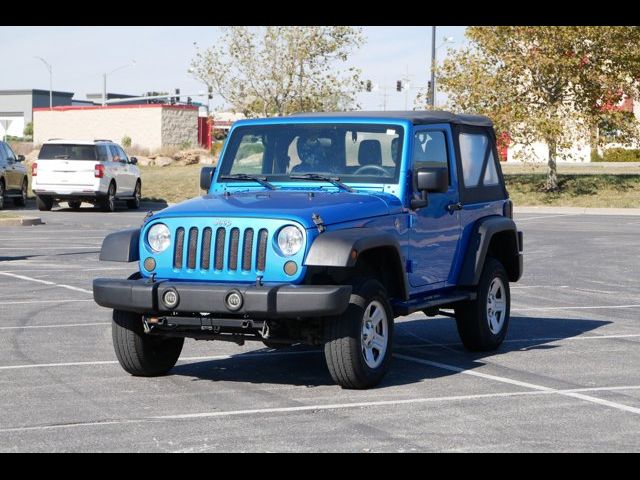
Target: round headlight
{"x": 290, "y": 240}
{"x": 159, "y": 237}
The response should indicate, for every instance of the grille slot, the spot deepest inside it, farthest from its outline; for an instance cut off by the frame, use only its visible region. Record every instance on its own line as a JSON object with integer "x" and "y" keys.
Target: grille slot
{"x": 177, "y": 254}
{"x": 205, "y": 256}
{"x": 233, "y": 249}
{"x": 221, "y": 235}
{"x": 261, "y": 259}
{"x": 193, "y": 245}
{"x": 247, "y": 249}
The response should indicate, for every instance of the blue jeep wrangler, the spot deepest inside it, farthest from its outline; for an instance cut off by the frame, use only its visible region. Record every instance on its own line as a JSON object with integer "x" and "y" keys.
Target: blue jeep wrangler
{"x": 321, "y": 229}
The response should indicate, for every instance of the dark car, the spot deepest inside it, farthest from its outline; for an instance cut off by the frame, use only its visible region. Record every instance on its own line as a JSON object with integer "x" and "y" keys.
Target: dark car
{"x": 13, "y": 177}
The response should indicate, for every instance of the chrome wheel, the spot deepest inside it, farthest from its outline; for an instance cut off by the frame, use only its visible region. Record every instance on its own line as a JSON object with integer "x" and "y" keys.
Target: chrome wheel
{"x": 375, "y": 334}
{"x": 496, "y": 305}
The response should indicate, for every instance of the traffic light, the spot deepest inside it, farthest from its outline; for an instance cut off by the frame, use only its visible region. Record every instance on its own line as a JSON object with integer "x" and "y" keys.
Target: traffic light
{"x": 189, "y": 100}
{"x": 399, "y": 85}
{"x": 177, "y": 99}
{"x": 368, "y": 86}
{"x": 210, "y": 92}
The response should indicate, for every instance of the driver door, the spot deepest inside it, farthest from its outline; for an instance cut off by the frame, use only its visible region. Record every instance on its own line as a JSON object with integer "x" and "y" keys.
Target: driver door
{"x": 436, "y": 228}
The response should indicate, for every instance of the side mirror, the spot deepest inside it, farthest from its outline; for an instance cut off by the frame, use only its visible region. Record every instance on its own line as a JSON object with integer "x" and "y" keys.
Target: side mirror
{"x": 430, "y": 179}
{"x": 133, "y": 160}
{"x": 206, "y": 177}
{"x": 20, "y": 158}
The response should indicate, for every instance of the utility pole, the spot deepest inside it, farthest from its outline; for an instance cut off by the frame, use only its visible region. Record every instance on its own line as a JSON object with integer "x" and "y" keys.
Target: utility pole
{"x": 46, "y": 64}
{"x": 432, "y": 93}
{"x": 104, "y": 80}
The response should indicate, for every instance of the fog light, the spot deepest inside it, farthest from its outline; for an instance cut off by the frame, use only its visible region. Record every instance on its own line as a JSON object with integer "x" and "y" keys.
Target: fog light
{"x": 233, "y": 300}
{"x": 170, "y": 298}
{"x": 290, "y": 268}
{"x": 149, "y": 264}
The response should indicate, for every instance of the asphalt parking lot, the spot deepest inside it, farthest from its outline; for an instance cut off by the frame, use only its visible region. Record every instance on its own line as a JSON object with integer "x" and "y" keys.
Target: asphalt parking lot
{"x": 566, "y": 379}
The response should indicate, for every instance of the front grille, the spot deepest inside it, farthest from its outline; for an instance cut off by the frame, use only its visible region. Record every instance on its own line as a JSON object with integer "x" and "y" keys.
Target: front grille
{"x": 241, "y": 249}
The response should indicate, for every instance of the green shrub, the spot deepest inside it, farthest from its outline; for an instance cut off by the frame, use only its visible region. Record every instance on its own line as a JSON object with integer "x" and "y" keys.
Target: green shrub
{"x": 28, "y": 130}
{"x": 126, "y": 141}
{"x": 617, "y": 155}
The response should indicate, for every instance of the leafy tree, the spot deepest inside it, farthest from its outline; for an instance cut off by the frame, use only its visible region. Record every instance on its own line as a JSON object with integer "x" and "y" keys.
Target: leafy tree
{"x": 279, "y": 70}
{"x": 547, "y": 83}
{"x": 28, "y": 130}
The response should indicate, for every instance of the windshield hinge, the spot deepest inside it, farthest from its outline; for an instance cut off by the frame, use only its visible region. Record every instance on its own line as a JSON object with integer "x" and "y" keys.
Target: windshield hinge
{"x": 317, "y": 219}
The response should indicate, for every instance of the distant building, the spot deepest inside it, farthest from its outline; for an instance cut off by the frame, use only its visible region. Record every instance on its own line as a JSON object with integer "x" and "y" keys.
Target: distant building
{"x": 16, "y": 107}
{"x": 149, "y": 126}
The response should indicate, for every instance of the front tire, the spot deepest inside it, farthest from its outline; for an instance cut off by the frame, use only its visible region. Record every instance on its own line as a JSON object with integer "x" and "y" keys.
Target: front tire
{"x": 483, "y": 323}
{"x": 2, "y": 192}
{"x": 21, "y": 201}
{"x": 44, "y": 203}
{"x": 74, "y": 204}
{"x": 140, "y": 354}
{"x": 358, "y": 343}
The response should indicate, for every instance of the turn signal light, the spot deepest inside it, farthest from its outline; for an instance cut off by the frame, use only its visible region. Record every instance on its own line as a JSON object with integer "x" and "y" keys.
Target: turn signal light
{"x": 34, "y": 169}
{"x": 99, "y": 171}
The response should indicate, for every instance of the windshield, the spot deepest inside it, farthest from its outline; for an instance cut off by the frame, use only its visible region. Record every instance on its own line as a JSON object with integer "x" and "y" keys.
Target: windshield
{"x": 353, "y": 153}
{"x": 60, "y": 151}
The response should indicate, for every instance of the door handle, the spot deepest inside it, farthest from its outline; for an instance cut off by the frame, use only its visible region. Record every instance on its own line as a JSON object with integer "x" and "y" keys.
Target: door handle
{"x": 452, "y": 207}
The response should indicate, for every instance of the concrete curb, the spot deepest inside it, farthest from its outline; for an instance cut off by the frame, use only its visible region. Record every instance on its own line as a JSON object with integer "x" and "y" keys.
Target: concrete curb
{"x": 20, "y": 222}
{"x": 579, "y": 211}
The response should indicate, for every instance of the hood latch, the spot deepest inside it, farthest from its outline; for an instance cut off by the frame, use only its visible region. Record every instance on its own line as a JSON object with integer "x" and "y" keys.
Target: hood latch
{"x": 319, "y": 222}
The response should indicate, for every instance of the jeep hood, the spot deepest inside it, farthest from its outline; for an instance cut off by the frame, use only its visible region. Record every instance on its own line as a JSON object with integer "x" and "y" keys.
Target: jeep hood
{"x": 333, "y": 207}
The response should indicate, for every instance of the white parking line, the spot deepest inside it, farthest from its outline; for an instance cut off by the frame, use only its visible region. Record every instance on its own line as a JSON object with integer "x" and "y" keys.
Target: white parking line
{"x": 314, "y": 408}
{"x": 593, "y": 307}
{"x": 547, "y": 216}
{"x": 181, "y": 360}
{"x": 27, "y": 327}
{"x": 46, "y": 282}
{"x": 27, "y": 302}
{"x": 510, "y": 381}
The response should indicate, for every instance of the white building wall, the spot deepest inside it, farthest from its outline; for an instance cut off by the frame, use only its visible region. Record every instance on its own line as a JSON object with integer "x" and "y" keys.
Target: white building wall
{"x": 149, "y": 126}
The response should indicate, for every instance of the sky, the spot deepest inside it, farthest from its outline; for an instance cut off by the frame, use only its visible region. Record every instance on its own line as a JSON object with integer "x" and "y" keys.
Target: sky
{"x": 80, "y": 55}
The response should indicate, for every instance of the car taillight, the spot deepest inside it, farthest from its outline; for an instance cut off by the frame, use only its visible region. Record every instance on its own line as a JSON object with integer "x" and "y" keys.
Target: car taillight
{"x": 99, "y": 171}
{"x": 34, "y": 169}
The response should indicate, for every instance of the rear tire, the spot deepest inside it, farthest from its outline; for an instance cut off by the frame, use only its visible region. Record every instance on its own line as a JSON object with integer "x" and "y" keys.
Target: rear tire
{"x": 2, "y": 192}
{"x": 108, "y": 204}
{"x": 134, "y": 203}
{"x": 21, "y": 201}
{"x": 74, "y": 204}
{"x": 359, "y": 343}
{"x": 483, "y": 323}
{"x": 140, "y": 354}
{"x": 44, "y": 203}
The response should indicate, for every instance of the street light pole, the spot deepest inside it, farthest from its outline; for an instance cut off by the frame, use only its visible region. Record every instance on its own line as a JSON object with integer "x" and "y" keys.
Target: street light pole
{"x": 46, "y": 64}
{"x": 104, "y": 80}
{"x": 432, "y": 93}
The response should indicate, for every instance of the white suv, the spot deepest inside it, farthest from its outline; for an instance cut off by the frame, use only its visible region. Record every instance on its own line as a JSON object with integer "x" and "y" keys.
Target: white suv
{"x": 97, "y": 172}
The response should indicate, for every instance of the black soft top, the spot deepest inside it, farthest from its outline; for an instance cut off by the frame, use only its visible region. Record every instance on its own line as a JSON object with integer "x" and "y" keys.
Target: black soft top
{"x": 417, "y": 117}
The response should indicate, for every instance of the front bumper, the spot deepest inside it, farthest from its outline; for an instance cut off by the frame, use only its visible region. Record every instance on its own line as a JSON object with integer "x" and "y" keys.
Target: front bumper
{"x": 289, "y": 301}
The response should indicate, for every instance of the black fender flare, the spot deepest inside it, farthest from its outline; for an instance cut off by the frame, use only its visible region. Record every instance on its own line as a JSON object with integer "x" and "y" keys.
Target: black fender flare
{"x": 336, "y": 249}
{"x": 121, "y": 246}
{"x": 478, "y": 245}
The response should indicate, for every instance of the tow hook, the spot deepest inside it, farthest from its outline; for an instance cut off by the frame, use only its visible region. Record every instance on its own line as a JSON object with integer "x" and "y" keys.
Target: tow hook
{"x": 264, "y": 332}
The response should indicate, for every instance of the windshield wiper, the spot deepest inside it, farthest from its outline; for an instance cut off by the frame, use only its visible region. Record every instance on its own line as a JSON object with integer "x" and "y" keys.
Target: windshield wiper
{"x": 322, "y": 178}
{"x": 243, "y": 176}
{"x": 62, "y": 157}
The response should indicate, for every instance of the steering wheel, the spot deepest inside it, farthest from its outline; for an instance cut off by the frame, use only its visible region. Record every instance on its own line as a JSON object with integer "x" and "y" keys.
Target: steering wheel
{"x": 377, "y": 168}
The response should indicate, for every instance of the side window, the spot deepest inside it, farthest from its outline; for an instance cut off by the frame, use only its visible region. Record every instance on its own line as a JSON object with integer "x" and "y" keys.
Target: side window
{"x": 3, "y": 156}
{"x": 123, "y": 155}
{"x": 430, "y": 150}
{"x": 11, "y": 157}
{"x": 491, "y": 174}
{"x": 115, "y": 155}
{"x": 473, "y": 148}
{"x": 103, "y": 154}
